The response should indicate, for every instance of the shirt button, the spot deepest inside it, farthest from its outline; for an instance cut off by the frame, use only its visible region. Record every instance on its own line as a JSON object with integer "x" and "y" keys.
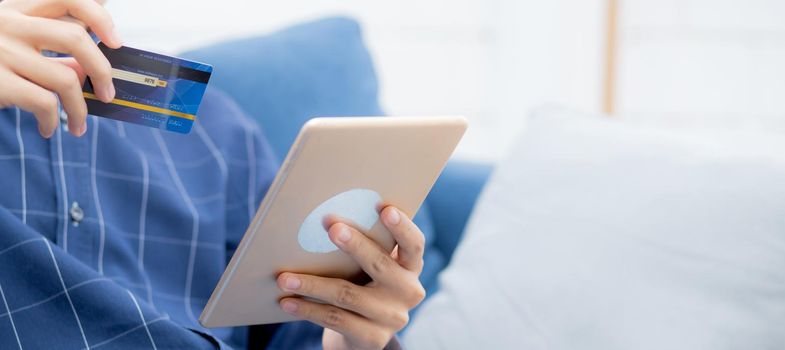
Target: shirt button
{"x": 77, "y": 214}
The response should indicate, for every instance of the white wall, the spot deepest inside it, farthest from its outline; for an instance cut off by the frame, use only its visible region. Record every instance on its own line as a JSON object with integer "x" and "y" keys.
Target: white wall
{"x": 490, "y": 60}
{"x": 689, "y": 61}
{"x": 545, "y": 52}
{"x": 703, "y": 61}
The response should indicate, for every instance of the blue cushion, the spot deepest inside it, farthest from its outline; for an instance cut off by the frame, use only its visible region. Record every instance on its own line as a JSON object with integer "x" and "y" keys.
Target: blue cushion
{"x": 452, "y": 200}
{"x": 319, "y": 68}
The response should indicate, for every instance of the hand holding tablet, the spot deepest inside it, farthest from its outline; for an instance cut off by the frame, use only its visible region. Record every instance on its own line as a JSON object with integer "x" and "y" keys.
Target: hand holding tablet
{"x": 388, "y": 165}
{"x": 362, "y": 316}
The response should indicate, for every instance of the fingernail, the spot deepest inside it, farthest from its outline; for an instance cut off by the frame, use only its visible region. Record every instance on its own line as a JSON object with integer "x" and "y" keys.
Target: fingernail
{"x": 83, "y": 129}
{"x": 116, "y": 37}
{"x": 292, "y": 283}
{"x": 343, "y": 234}
{"x": 44, "y": 133}
{"x": 393, "y": 218}
{"x": 108, "y": 93}
{"x": 289, "y": 307}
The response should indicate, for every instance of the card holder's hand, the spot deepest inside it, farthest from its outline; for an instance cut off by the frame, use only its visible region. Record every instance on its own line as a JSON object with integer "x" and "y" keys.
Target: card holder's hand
{"x": 28, "y": 79}
{"x": 367, "y": 316}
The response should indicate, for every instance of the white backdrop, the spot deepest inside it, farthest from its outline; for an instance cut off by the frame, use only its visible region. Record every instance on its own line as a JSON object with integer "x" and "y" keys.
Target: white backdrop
{"x": 704, "y": 61}
{"x": 433, "y": 57}
{"x": 688, "y": 61}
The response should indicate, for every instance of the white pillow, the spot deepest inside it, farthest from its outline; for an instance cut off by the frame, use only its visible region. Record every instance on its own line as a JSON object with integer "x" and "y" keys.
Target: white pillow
{"x": 598, "y": 234}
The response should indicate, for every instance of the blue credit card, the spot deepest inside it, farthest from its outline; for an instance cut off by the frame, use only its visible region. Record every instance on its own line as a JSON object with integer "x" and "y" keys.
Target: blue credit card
{"x": 151, "y": 89}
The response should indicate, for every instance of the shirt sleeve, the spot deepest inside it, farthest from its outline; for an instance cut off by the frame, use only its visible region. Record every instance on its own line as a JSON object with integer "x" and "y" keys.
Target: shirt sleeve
{"x": 251, "y": 170}
{"x": 50, "y": 300}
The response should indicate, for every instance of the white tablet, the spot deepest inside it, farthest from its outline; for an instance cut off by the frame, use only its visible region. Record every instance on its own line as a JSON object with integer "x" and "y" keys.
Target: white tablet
{"x": 347, "y": 167}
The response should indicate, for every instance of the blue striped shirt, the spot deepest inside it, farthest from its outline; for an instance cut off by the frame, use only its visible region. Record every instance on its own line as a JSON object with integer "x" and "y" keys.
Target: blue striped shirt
{"x": 116, "y": 239}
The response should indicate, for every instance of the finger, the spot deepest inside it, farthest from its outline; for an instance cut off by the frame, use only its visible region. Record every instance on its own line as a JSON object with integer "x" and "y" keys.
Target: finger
{"x": 32, "y": 98}
{"x": 357, "y": 329}
{"x": 411, "y": 241}
{"x": 70, "y": 62}
{"x": 97, "y": 18}
{"x": 341, "y": 293}
{"x": 71, "y": 39}
{"x": 374, "y": 260}
{"x": 60, "y": 79}
{"x": 86, "y": 12}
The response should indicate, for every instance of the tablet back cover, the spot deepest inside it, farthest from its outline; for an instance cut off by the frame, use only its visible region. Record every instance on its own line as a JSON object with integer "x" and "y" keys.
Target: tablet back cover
{"x": 399, "y": 158}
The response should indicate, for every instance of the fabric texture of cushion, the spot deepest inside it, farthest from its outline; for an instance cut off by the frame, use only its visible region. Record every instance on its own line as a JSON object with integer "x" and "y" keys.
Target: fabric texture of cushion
{"x": 600, "y": 234}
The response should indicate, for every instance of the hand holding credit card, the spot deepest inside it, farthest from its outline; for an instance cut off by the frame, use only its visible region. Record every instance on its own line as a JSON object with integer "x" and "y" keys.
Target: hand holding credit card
{"x": 153, "y": 90}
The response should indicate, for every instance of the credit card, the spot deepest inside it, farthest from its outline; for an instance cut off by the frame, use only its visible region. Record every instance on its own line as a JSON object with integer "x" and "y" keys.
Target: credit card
{"x": 153, "y": 90}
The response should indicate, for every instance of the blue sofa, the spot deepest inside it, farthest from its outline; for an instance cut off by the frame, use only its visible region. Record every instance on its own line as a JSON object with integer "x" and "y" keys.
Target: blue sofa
{"x": 323, "y": 68}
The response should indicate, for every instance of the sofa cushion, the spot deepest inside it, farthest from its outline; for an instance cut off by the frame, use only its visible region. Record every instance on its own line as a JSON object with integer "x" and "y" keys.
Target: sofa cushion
{"x": 319, "y": 68}
{"x": 597, "y": 233}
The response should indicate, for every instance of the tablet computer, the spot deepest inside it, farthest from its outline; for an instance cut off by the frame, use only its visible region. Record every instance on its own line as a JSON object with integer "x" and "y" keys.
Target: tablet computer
{"x": 345, "y": 167}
